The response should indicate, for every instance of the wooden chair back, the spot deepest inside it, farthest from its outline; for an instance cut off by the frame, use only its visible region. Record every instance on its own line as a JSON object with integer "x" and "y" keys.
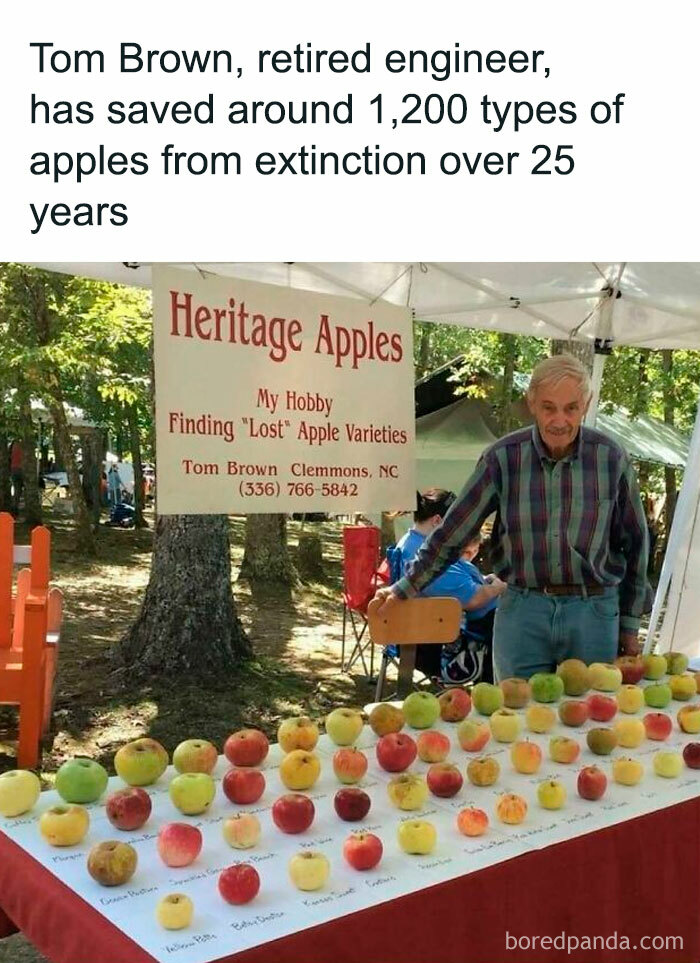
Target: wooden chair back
{"x": 415, "y": 622}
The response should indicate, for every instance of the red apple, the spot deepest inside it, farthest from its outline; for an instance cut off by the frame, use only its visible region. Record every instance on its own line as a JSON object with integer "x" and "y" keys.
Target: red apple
{"x": 631, "y": 667}
{"x": 179, "y": 844}
{"x": 352, "y": 803}
{"x": 247, "y": 747}
{"x": 349, "y": 764}
{"x": 128, "y": 808}
{"x": 691, "y": 755}
{"x": 455, "y": 704}
{"x": 601, "y": 708}
{"x": 243, "y": 785}
{"x": 396, "y": 751}
{"x": 293, "y": 812}
{"x": 658, "y": 726}
{"x": 591, "y": 783}
{"x": 239, "y": 884}
{"x": 444, "y": 779}
{"x": 573, "y": 712}
{"x": 363, "y": 850}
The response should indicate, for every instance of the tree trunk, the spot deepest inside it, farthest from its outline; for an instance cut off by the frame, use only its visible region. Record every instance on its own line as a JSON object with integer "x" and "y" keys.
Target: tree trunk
{"x": 32, "y": 495}
{"x": 85, "y": 539}
{"x": 266, "y": 557}
{"x": 92, "y": 473}
{"x": 579, "y": 349}
{"x": 425, "y": 336}
{"x": 669, "y": 419}
{"x": 5, "y": 494}
{"x": 510, "y": 349}
{"x": 135, "y": 443}
{"x": 310, "y": 556}
{"x": 188, "y": 623}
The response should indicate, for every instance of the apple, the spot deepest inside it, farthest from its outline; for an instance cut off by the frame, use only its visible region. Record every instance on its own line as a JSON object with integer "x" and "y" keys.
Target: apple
{"x": 486, "y": 698}
{"x": 293, "y": 813}
{"x": 658, "y": 695}
{"x": 243, "y": 786}
{"x": 408, "y": 791}
{"x": 111, "y": 863}
{"x": 563, "y": 749}
{"x": 192, "y": 792}
{"x": 81, "y": 780}
{"x": 575, "y": 676}
{"x": 540, "y": 718}
{"x": 526, "y": 756}
{"x": 472, "y": 821}
{"x": 546, "y": 686}
{"x": 421, "y": 710}
{"x": 676, "y": 663}
{"x": 246, "y": 747}
{"x": 297, "y": 733}
{"x": 605, "y": 676}
{"x": 511, "y": 808}
{"x": 627, "y": 771}
{"x": 516, "y": 692}
{"x": 344, "y": 726}
{"x": 505, "y": 725}
{"x": 601, "y": 741}
{"x": 631, "y": 667}
{"x": 668, "y": 764}
{"x": 658, "y": 726}
{"x": 141, "y": 762}
{"x": 178, "y": 844}
{"x": 417, "y": 837}
{"x": 691, "y": 755}
{"x": 239, "y": 884}
{"x": 455, "y": 704}
{"x": 64, "y": 825}
{"x": 362, "y": 850}
{"x": 697, "y": 680}
{"x": 630, "y": 698}
{"x": 309, "y": 870}
{"x": 349, "y": 765}
{"x": 483, "y": 771}
{"x": 683, "y": 687}
{"x": 174, "y": 911}
{"x": 19, "y": 791}
{"x": 473, "y": 735}
{"x": 241, "y": 830}
{"x": 300, "y": 769}
{"x": 689, "y": 718}
{"x": 444, "y": 779}
{"x": 573, "y": 712}
{"x": 551, "y": 794}
{"x": 655, "y": 667}
{"x": 601, "y": 708}
{"x": 591, "y": 783}
{"x": 128, "y": 809}
{"x": 630, "y": 733}
{"x": 352, "y": 804}
{"x": 386, "y": 718}
{"x": 195, "y": 755}
{"x": 396, "y": 751}
{"x": 433, "y": 746}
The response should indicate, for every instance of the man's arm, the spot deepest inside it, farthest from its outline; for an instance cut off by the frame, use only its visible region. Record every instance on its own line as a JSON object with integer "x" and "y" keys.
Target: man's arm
{"x": 633, "y": 537}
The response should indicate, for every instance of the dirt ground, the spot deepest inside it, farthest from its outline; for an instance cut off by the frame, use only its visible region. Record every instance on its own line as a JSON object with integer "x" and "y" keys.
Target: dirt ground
{"x": 296, "y": 638}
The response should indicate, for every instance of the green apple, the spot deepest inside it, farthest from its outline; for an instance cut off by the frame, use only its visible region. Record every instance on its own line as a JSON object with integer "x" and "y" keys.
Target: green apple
{"x": 141, "y": 762}
{"x": 655, "y": 666}
{"x": 487, "y": 698}
{"x": 551, "y": 794}
{"x": 192, "y": 792}
{"x": 668, "y": 764}
{"x": 344, "y": 726}
{"x": 676, "y": 663}
{"x": 81, "y": 780}
{"x": 546, "y": 686}
{"x": 19, "y": 791}
{"x": 421, "y": 710}
{"x": 417, "y": 836}
{"x": 658, "y": 695}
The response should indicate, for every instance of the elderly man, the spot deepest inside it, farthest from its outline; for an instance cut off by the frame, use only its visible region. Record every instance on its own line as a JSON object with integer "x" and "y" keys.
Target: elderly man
{"x": 569, "y": 536}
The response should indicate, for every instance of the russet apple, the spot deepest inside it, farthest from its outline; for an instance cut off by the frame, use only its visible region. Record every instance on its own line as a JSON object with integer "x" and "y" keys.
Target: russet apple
{"x": 174, "y": 911}
{"x": 689, "y": 718}
{"x": 630, "y": 698}
{"x": 242, "y": 830}
{"x": 19, "y": 791}
{"x": 511, "y": 809}
{"x": 421, "y": 710}
{"x": 386, "y": 718}
{"x": 352, "y": 804}
{"x": 573, "y": 712}
{"x": 344, "y": 726}
{"x": 483, "y": 771}
{"x": 601, "y": 741}
{"x": 668, "y": 764}
{"x": 676, "y": 663}
{"x": 630, "y": 733}
{"x": 455, "y": 704}
{"x": 433, "y": 746}
{"x": 417, "y": 837}
{"x": 546, "y": 686}
{"x": 473, "y": 735}
{"x": 195, "y": 755}
{"x": 540, "y": 718}
{"x": 486, "y": 698}
{"x": 300, "y": 769}
{"x": 444, "y": 779}
{"x": 505, "y": 725}
{"x": 591, "y": 783}
{"x": 178, "y": 844}
{"x": 526, "y": 756}
{"x": 293, "y": 813}
{"x": 239, "y": 884}
{"x": 128, "y": 809}
{"x": 575, "y": 676}
{"x": 64, "y": 825}
{"x": 192, "y": 792}
{"x": 627, "y": 771}
{"x": 245, "y": 747}
{"x": 691, "y": 755}
{"x": 601, "y": 708}
{"x": 683, "y": 687}
{"x": 309, "y": 870}
{"x": 111, "y": 863}
{"x": 562, "y": 749}
{"x": 349, "y": 765}
{"x": 408, "y": 791}
{"x": 551, "y": 794}
{"x": 362, "y": 851}
{"x": 516, "y": 692}
{"x": 297, "y": 733}
{"x": 658, "y": 726}
{"x": 243, "y": 786}
{"x": 655, "y": 667}
{"x": 81, "y": 780}
{"x": 605, "y": 676}
{"x": 395, "y": 751}
{"x": 141, "y": 762}
{"x": 658, "y": 695}
{"x": 631, "y": 667}
{"x": 472, "y": 821}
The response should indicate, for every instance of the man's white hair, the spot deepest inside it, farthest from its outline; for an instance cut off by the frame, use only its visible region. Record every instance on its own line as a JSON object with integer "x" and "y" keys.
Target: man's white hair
{"x": 553, "y": 370}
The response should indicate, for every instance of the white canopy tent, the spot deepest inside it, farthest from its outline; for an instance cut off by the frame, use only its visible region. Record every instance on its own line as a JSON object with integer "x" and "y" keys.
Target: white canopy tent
{"x": 653, "y": 305}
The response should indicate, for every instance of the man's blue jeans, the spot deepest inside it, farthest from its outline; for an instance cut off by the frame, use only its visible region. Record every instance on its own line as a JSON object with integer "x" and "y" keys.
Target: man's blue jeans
{"x": 534, "y": 632}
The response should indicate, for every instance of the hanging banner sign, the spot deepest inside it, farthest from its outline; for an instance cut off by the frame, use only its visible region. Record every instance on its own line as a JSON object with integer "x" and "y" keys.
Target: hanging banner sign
{"x": 270, "y": 399}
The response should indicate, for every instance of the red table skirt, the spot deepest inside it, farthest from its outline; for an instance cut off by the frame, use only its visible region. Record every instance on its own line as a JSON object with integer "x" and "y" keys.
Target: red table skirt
{"x": 638, "y": 879}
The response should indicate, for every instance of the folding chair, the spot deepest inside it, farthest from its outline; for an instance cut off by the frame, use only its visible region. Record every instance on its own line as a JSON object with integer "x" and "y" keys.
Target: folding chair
{"x": 360, "y": 563}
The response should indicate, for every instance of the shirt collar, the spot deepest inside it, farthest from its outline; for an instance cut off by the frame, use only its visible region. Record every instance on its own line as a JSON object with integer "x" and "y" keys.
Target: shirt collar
{"x": 544, "y": 455}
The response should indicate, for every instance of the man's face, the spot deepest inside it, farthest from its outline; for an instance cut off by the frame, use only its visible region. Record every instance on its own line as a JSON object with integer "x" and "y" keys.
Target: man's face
{"x": 558, "y": 410}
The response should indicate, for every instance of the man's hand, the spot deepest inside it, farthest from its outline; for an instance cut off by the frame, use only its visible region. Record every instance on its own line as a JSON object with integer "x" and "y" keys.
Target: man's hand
{"x": 629, "y": 643}
{"x": 388, "y": 598}
{"x": 498, "y": 585}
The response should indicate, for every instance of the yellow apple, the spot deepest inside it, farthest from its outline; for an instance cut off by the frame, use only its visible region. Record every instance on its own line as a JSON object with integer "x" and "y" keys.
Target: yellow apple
{"x": 344, "y": 726}
{"x": 309, "y": 870}
{"x": 668, "y": 764}
{"x": 299, "y": 769}
{"x": 630, "y": 698}
{"x": 417, "y": 837}
{"x": 505, "y": 725}
{"x": 408, "y": 791}
{"x": 540, "y": 718}
{"x": 174, "y": 911}
{"x": 563, "y": 749}
{"x": 604, "y": 676}
{"x": 627, "y": 771}
{"x": 511, "y": 809}
{"x": 630, "y": 733}
{"x": 683, "y": 687}
{"x": 241, "y": 830}
{"x": 483, "y": 771}
{"x": 64, "y": 825}
{"x": 551, "y": 794}
{"x": 689, "y": 718}
{"x": 141, "y": 762}
{"x": 19, "y": 791}
{"x": 297, "y": 733}
{"x": 192, "y": 792}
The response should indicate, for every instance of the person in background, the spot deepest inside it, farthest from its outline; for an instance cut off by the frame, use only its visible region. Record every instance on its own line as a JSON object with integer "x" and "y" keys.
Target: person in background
{"x": 114, "y": 484}
{"x": 16, "y": 474}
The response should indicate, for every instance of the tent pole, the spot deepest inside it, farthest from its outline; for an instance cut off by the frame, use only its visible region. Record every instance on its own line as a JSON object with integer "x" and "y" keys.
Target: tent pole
{"x": 602, "y": 350}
